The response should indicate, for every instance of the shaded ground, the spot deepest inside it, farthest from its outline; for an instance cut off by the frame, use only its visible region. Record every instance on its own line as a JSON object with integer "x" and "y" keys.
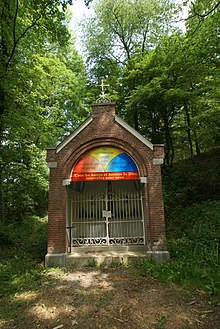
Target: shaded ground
{"x": 110, "y": 299}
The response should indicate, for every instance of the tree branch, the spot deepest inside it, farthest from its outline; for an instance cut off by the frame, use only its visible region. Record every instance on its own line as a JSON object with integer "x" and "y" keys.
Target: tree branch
{"x": 144, "y": 38}
{"x": 203, "y": 15}
{"x": 121, "y": 35}
{"x": 14, "y": 22}
{"x": 16, "y": 41}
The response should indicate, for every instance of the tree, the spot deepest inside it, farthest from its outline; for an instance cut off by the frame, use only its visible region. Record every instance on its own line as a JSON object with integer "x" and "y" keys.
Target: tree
{"x": 19, "y": 21}
{"x": 119, "y": 29}
{"x": 203, "y": 36}
{"x": 49, "y": 104}
{"x": 43, "y": 82}
{"x": 168, "y": 85}
{"x": 177, "y": 92}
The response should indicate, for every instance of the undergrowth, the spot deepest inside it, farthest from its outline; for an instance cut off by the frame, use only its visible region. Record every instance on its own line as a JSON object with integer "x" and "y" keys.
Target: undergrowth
{"x": 192, "y": 213}
{"x": 193, "y": 243}
{"x": 23, "y": 247}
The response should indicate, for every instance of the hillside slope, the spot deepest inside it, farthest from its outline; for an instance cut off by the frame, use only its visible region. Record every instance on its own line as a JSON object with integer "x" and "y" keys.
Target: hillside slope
{"x": 192, "y": 213}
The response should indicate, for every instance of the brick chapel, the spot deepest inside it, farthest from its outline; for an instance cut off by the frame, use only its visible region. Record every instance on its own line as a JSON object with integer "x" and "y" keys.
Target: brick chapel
{"x": 105, "y": 194}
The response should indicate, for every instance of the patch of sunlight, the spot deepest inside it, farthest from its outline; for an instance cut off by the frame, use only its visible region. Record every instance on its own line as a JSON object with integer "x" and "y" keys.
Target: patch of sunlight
{"x": 55, "y": 271}
{"x": 45, "y": 312}
{"x": 87, "y": 279}
{"x": 25, "y": 296}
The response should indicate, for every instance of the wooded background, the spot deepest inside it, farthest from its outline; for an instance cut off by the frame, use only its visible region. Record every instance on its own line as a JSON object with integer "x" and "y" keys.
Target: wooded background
{"x": 165, "y": 82}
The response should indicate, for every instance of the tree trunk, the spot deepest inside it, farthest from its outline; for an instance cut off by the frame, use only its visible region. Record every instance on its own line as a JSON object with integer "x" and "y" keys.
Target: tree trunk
{"x": 188, "y": 129}
{"x": 2, "y": 214}
{"x": 198, "y": 152}
{"x": 169, "y": 149}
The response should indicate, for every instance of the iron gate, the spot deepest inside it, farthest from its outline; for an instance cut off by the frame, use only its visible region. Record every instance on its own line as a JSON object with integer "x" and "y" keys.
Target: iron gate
{"x": 106, "y": 218}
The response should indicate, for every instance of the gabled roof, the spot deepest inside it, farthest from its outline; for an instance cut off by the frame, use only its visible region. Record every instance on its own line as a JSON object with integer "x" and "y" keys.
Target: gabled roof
{"x": 74, "y": 134}
{"x": 120, "y": 121}
{"x": 134, "y": 132}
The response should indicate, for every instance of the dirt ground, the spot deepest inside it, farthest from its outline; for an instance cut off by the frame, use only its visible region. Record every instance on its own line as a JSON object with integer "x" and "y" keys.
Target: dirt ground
{"x": 112, "y": 299}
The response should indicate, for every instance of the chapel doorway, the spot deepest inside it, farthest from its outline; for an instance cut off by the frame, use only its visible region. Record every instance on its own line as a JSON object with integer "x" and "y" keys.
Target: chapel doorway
{"x": 106, "y": 213}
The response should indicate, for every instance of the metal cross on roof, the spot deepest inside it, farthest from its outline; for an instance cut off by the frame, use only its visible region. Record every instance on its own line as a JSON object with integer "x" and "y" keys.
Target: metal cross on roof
{"x": 103, "y": 97}
{"x": 102, "y": 86}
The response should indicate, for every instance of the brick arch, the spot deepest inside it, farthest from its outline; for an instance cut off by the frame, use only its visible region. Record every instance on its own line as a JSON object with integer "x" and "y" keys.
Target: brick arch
{"x": 142, "y": 164}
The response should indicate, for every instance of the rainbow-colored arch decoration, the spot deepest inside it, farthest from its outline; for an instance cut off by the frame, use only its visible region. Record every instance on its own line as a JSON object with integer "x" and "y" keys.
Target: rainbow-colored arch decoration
{"x": 105, "y": 163}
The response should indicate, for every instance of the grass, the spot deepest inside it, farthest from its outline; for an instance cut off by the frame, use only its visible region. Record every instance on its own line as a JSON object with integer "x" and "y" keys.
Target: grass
{"x": 192, "y": 213}
{"x": 21, "y": 266}
{"x": 161, "y": 322}
{"x": 193, "y": 244}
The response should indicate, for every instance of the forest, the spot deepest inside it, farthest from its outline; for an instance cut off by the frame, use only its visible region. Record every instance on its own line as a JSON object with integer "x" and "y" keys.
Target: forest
{"x": 161, "y": 59}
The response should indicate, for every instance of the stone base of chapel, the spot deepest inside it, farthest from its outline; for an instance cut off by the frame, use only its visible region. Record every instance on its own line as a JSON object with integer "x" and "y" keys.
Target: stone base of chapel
{"x": 91, "y": 256}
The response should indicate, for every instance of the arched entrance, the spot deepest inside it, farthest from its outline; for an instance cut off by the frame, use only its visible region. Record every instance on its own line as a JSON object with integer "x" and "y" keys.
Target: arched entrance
{"x": 105, "y": 200}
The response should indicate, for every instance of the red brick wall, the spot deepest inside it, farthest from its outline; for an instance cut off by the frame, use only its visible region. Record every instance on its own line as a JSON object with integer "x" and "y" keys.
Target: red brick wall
{"x": 103, "y": 131}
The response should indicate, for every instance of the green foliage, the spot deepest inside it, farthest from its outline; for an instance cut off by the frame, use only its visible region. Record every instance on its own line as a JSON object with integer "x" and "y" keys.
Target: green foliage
{"x": 192, "y": 181}
{"x": 23, "y": 246}
{"x": 192, "y": 210}
{"x": 28, "y": 235}
{"x": 193, "y": 242}
{"x": 167, "y": 83}
{"x": 41, "y": 90}
{"x": 176, "y": 93}
{"x": 127, "y": 27}
{"x": 185, "y": 272}
{"x": 117, "y": 30}
{"x": 25, "y": 181}
{"x": 17, "y": 274}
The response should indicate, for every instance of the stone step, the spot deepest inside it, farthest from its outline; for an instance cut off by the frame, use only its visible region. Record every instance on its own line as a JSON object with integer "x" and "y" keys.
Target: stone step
{"x": 119, "y": 248}
{"x": 105, "y": 258}
{"x": 86, "y": 257}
